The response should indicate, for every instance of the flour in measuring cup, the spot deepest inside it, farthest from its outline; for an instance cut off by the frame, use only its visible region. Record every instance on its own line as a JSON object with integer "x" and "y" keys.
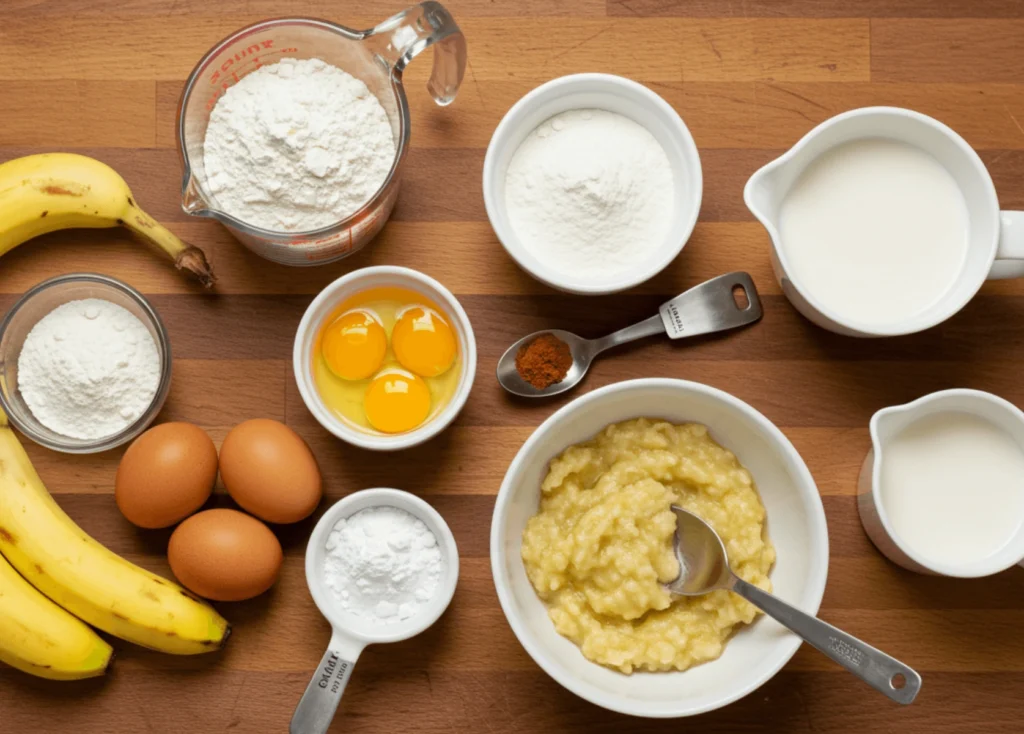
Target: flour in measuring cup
{"x": 295, "y": 146}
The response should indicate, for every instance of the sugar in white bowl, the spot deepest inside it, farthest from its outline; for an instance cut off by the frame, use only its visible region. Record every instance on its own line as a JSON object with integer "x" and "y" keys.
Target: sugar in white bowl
{"x": 589, "y": 193}
{"x": 616, "y": 96}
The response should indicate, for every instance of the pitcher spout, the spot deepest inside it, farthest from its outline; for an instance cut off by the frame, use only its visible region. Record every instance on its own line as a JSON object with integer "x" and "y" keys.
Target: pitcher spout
{"x": 761, "y": 193}
{"x": 192, "y": 201}
{"x": 885, "y": 424}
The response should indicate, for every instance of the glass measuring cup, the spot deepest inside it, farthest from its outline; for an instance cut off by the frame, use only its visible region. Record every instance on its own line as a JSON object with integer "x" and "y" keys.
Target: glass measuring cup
{"x": 377, "y": 57}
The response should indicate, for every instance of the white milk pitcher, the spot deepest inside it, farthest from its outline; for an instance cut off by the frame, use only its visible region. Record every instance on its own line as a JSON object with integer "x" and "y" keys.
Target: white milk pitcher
{"x": 886, "y": 426}
{"x": 995, "y": 238}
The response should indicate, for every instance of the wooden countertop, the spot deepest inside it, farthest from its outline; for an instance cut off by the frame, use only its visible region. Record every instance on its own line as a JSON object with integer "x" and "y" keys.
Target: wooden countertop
{"x": 749, "y": 77}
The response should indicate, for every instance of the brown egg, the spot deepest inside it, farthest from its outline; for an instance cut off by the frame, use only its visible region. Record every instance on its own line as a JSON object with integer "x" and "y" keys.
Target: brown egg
{"x": 269, "y": 471}
{"x": 224, "y": 555}
{"x": 165, "y": 475}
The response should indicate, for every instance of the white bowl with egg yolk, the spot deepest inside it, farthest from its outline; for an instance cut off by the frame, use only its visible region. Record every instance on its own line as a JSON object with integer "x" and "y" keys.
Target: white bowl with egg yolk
{"x": 795, "y": 524}
{"x": 344, "y": 288}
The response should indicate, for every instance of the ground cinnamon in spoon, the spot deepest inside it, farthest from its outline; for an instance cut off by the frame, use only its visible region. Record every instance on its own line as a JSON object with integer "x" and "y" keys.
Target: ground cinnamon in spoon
{"x": 544, "y": 361}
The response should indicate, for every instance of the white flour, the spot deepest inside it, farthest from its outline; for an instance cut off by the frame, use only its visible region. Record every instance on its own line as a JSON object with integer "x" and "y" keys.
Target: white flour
{"x": 297, "y": 145}
{"x": 590, "y": 192}
{"x": 382, "y": 564}
{"x": 88, "y": 369}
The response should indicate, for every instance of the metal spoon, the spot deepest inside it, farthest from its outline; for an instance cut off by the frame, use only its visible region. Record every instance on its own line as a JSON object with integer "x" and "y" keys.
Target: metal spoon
{"x": 703, "y": 567}
{"x": 704, "y": 309}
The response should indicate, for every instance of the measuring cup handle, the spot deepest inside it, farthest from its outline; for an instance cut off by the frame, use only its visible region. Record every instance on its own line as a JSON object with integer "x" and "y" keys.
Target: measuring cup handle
{"x": 316, "y": 708}
{"x": 1010, "y": 252}
{"x": 400, "y": 38}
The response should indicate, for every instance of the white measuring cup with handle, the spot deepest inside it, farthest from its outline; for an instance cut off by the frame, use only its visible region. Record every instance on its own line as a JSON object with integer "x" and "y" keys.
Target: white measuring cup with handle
{"x": 995, "y": 238}
{"x": 351, "y": 634}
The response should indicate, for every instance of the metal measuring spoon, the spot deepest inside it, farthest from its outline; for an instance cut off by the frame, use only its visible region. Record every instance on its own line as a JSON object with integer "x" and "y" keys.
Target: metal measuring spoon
{"x": 704, "y": 567}
{"x": 704, "y": 309}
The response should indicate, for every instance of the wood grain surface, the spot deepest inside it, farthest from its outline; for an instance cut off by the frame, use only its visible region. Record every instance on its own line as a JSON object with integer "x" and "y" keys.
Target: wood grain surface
{"x": 749, "y": 77}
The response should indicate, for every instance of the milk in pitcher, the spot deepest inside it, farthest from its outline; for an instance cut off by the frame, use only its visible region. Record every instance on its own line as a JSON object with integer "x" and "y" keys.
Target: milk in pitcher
{"x": 875, "y": 230}
{"x": 952, "y": 485}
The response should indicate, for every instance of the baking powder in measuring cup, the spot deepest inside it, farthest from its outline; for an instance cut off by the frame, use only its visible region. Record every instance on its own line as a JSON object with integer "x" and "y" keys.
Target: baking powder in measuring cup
{"x": 382, "y": 564}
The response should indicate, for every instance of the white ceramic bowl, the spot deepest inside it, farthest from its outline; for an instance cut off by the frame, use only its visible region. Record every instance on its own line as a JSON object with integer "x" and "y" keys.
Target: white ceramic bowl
{"x": 616, "y": 94}
{"x": 347, "y": 286}
{"x": 796, "y": 526}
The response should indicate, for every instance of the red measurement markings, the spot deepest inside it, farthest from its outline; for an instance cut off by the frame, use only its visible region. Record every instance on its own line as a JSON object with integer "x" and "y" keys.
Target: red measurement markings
{"x": 325, "y": 248}
{"x": 235, "y": 67}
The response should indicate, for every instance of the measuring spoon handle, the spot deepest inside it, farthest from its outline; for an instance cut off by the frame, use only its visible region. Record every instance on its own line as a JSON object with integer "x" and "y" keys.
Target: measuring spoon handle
{"x": 885, "y": 674}
{"x": 316, "y": 708}
{"x": 707, "y": 308}
{"x": 713, "y": 306}
{"x": 647, "y": 327}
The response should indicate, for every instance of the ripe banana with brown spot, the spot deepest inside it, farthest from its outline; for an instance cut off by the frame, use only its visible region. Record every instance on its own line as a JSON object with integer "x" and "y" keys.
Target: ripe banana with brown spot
{"x": 40, "y": 638}
{"x": 90, "y": 581}
{"x": 50, "y": 191}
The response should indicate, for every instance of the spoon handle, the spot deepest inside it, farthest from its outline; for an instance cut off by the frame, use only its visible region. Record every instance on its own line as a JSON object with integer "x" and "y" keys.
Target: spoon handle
{"x": 316, "y": 708}
{"x": 882, "y": 672}
{"x": 647, "y": 327}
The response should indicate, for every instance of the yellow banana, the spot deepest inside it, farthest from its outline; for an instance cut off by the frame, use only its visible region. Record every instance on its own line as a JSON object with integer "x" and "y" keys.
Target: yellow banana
{"x": 40, "y": 638}
{"x": 50, "y": 191}
{"x": 87, "y": 579}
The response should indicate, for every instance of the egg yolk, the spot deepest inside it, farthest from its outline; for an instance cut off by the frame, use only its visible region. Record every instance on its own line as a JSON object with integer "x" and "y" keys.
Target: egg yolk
{"x": 423, "y": 342}
{"x": 354, "y": 345}
{"x": 396, "y": 401}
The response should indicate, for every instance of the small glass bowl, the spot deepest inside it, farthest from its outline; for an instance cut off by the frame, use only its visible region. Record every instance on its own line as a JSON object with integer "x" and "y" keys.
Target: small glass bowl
{"x": 29, "y": 310}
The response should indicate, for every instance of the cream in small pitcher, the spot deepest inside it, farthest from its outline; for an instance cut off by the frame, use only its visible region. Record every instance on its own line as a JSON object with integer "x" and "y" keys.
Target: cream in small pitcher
{"x": 952, "y": 485}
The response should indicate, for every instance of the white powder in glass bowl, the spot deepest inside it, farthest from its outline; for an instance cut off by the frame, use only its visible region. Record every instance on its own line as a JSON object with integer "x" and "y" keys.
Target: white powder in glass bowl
{"x": 88, "y": 369}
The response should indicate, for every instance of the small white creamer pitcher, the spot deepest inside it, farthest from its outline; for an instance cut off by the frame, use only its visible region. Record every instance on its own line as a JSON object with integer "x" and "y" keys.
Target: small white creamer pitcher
{"x": 995, "y": 238}
{"x": 888, "y": 423}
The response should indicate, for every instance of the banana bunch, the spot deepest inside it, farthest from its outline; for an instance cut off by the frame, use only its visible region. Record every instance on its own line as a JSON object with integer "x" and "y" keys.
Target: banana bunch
{"x": 39, "y": 637}
{"x": 51, "y": 191}
{"x": 56, "y": 557}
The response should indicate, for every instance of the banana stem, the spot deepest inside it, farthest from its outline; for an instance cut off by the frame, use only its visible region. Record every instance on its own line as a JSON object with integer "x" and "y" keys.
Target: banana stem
{"x": 185, "y": 256}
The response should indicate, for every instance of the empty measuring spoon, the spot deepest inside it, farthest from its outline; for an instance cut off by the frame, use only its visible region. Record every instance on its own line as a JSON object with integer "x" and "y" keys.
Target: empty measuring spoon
{"x": 704, "y": 309}
{"x": 704, "y": 567}
{"x": 350, "y": 634}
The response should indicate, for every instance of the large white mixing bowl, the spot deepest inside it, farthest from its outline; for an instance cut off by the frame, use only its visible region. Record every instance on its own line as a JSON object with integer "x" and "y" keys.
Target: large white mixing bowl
{"x": 796, "y": 526}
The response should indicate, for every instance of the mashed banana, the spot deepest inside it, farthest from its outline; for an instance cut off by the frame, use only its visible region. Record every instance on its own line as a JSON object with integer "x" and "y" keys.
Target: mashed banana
{"x": 600, "y": 546}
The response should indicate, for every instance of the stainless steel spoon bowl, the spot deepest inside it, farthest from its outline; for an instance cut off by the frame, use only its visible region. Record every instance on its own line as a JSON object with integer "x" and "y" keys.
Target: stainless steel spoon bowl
{"x": 704, "y": 567}
{"x": 707, "y": 308}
